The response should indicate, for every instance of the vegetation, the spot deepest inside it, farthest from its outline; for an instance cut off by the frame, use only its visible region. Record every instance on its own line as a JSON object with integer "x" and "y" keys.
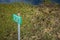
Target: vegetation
{"x": 47, "y": 1}
{"x": 39, "y": 22}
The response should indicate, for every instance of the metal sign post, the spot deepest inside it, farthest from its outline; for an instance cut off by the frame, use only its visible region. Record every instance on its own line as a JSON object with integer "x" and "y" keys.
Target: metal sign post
{"x": 18, "y": 31}
{"x": 18, "y": 20}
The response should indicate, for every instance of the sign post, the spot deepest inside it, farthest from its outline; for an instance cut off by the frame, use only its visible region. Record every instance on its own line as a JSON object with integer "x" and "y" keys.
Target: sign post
{"x": 18, "y": 20}
{"x": 18, "y": 31}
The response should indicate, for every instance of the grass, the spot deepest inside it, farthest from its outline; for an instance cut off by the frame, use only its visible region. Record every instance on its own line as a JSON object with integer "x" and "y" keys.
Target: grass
{"x": 39, "y": 22}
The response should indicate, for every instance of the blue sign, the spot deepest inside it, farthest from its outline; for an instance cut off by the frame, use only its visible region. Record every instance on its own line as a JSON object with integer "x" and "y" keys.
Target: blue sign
{"x": 17, "y": 19}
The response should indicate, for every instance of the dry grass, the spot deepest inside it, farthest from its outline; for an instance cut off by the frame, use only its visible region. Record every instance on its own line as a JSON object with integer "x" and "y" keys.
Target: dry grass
{"x": 39, "y": 23}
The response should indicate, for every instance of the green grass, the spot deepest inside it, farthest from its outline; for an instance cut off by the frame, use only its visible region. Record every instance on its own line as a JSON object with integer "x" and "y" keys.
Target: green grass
{"x": 39, "y": 23}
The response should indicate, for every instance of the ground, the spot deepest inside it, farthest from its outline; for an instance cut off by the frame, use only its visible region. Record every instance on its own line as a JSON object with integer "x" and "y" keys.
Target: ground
{"x": 39, "y": 22}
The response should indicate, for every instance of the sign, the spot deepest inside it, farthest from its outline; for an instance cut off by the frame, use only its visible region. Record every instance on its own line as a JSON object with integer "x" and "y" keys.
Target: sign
{"x": 17, "y": 19}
